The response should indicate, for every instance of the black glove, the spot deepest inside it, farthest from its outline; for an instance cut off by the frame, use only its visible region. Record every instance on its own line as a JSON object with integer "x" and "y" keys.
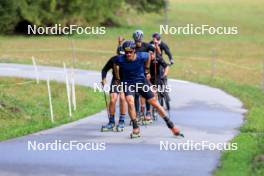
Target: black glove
{"x": 171, "y": 62}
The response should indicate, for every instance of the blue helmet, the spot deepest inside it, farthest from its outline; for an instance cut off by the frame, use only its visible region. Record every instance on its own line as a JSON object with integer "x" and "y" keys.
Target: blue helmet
{"x": 156, "y": 35}
{"x": 138, "y": 35}
{"x": 129, "y": 45}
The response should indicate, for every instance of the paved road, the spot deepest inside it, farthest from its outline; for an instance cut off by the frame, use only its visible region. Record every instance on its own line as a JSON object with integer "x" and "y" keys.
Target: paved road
{"x": 203, "y": 113}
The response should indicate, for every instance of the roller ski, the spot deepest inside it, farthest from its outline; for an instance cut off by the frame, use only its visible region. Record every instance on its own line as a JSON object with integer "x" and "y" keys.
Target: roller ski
{"x": 139, "y": 119}
{"x": 147, "y": 119}
{"x": 121, "y": 126}
{"x": 108, "y": 127}
{"x": 135, "y": 134}
{"x": 176, "y": 132}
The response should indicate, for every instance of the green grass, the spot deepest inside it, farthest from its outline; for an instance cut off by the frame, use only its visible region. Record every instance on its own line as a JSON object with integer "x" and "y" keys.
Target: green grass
{"x": 24, "y": 109}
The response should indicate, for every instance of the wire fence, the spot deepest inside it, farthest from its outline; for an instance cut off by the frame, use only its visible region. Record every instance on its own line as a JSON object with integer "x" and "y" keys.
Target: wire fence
{"x": 94, "y": 59}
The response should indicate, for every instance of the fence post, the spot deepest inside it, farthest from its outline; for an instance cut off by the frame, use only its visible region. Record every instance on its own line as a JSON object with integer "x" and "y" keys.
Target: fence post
{"x": 73, "y": 90}
{"x": 36, "y": 69}
{"x": 50, "y": 101}
{"x": 68, "y": 89}
{"x": 72, "y": 76}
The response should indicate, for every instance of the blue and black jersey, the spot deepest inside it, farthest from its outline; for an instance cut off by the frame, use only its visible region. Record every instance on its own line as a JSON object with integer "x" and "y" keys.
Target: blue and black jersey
{"x": 133, "y": 71}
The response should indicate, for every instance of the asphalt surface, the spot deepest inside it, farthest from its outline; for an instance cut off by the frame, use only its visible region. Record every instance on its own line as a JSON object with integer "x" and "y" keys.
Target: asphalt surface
{"x": 204, "y": 114}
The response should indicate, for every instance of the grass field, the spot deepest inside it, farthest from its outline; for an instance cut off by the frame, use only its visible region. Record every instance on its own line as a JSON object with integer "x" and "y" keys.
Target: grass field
{"x": 239, "y": 60}
{"x": 24, "y": 108}
{"x": 238, "y": 57}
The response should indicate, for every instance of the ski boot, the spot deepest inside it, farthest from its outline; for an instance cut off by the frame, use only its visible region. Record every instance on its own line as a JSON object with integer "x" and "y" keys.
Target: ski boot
{"x": 135, "y": 134}
{"x": 176, "y": 132}
{"x": 141, "y": 118}
{"x": 108, "y": 127}
{"x": 147, "y": 119}
{"x": 120, "y": 126}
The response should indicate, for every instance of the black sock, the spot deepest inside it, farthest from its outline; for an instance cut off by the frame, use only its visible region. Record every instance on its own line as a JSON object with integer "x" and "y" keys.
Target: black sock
{"x": 168, "y": 122}
{"x": 134, "y": 124}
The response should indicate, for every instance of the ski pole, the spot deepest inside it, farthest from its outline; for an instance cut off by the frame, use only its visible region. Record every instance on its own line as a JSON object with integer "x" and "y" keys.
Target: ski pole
{"x": 106, "y": 103}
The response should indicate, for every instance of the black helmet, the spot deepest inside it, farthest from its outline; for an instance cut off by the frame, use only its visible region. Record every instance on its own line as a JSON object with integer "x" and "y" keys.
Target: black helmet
{"x": 138, "y": 35}
{"x": 156, "y": 35}
{"x": 129, "y": 45}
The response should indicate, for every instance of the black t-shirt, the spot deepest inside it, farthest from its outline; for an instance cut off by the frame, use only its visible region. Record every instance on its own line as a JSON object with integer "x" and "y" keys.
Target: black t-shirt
{"x": 145, "y": 47}
{"x": 164, "y": 47}
{"x": 108, "y": 66}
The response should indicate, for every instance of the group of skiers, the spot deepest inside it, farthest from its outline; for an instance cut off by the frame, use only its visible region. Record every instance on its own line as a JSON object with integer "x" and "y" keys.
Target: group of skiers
{"x": 137, "y": 64}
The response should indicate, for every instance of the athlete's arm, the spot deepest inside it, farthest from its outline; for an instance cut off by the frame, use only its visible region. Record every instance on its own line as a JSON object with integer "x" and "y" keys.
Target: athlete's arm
{"x": 116, "y": 71}
{"x": 167, "y": 51}
{"x": 106, "y": 68}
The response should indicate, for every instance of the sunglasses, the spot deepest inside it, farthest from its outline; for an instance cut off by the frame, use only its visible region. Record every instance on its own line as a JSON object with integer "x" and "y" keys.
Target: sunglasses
{"x": 129, "y": 52}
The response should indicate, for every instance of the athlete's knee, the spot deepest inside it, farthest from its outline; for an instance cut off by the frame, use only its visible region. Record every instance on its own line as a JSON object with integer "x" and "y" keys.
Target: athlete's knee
{"x": 122, "y": 98}
{"x": 153, "y": 102}
{"x": 130, "y": 100}
{"x": 113, "y": 98}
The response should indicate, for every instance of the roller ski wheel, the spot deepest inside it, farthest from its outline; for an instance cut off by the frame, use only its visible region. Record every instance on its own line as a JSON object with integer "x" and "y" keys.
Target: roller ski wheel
{"x": 147, "y": 121}
{"x": 176, "y": 132}
{"x": 108, "y": 127}
{"x": 135, "y": 135}
{"x": 120, "y": 127}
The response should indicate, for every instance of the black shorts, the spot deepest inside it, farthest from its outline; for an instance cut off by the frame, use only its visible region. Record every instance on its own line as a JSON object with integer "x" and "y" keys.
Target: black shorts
{"x": 142, "y": 89}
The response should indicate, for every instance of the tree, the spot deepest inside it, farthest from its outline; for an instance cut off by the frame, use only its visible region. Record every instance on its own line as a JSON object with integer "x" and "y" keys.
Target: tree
{"x": 66, "y": 12}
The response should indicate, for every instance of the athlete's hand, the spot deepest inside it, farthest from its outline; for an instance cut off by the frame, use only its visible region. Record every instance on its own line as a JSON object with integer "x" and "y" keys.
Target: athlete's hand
{"x": 148, "y": 76}
{"x": 103, "y": 82}
{"x": 172, "y": 62}
{"x": 117, "y": 81}
{"x": 120, "y": 40}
